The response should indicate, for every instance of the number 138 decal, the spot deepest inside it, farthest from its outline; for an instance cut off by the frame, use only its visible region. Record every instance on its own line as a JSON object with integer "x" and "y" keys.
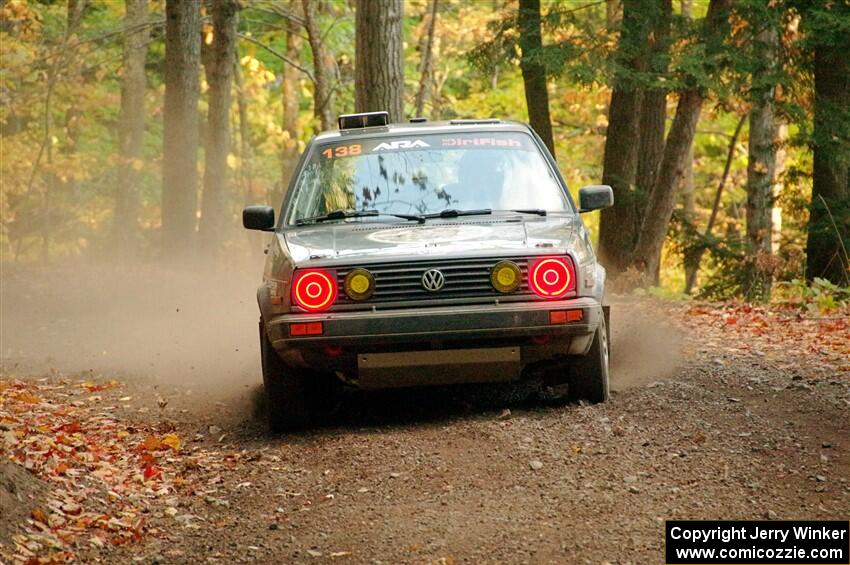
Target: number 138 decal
{"x": 342, "y": 151}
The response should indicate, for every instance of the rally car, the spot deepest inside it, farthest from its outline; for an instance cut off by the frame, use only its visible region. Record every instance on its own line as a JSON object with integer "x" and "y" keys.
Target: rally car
{"x": 428, "y": 253}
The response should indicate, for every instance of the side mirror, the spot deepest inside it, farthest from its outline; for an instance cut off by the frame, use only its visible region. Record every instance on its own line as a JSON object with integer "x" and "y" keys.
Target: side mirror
{"x": 595, "y": 197}
{"x": 258, "y": 218}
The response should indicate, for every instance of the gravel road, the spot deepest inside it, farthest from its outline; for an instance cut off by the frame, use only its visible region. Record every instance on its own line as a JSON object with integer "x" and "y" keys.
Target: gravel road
{"x": 428, "y": 482}
{"x": 487, "y": 475}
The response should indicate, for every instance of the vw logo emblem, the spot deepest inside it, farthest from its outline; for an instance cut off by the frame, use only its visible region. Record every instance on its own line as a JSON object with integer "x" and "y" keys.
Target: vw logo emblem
{"x": 433, "y": 280}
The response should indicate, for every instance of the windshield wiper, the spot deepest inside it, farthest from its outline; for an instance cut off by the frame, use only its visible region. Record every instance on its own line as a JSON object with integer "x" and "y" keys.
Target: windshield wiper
{"x": 343, "y": 214}
{"x": 538, "y": 211}
{"x": 452, "y": 213}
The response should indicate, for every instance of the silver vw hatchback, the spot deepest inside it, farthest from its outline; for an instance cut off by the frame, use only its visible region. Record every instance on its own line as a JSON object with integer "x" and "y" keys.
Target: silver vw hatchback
{"x": 428, "y": 254}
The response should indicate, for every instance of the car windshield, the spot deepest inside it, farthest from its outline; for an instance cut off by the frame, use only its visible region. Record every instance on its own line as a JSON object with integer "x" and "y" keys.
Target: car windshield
{"x": 425, "y": 175}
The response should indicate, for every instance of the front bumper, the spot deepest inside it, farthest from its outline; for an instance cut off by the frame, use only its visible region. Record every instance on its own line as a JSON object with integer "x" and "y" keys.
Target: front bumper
{"x": 482, "y": 322}
{"x": 436, "y": 345}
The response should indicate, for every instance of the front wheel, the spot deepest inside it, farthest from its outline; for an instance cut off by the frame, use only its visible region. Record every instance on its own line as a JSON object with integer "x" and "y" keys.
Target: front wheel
{"x": 294, "y": 397}
{"x": 589, "y": 373}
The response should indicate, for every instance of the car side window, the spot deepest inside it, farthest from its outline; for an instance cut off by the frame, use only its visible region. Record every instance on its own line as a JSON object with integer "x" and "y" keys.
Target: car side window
{"x": 307, "y": 192}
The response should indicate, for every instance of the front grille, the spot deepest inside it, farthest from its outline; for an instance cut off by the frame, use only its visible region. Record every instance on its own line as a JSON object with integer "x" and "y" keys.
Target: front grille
{"x": 464, "y": 278}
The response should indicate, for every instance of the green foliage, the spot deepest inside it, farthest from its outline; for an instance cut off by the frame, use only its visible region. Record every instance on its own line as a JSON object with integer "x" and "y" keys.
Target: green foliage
{"x": 726, "y": 276}
{"x": 819, "y": 294}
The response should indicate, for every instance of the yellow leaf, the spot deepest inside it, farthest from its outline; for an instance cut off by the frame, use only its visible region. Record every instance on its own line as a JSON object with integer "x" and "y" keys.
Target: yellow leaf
{"x": 172, "y": 441}
{"x": 28, "y": 398}
{"x": 152, "y": 443}
{"x": 39, "y": 516}
{"x": 207, "y": 31}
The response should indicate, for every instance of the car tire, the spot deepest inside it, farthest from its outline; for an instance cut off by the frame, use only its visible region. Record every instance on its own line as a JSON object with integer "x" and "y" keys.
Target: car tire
{"x": 290, "y": 392}
{"x": 589, "y": 373}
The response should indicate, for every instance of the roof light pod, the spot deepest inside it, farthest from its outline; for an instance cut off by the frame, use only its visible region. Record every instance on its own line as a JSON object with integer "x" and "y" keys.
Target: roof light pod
{"x": 363, "y": 120}
{"x": 551, "y": 277}
{"x": 314, "y": 289}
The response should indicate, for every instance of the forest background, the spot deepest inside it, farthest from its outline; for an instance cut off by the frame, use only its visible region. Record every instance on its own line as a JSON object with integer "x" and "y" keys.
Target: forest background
{"x": 139, "y": 129}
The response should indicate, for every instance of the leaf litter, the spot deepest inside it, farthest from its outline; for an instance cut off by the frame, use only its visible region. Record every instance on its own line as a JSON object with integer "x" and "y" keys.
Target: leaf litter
{"x": 104, "y": 475}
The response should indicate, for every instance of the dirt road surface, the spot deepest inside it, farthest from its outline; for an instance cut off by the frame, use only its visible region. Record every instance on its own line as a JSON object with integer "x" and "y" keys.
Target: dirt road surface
{"x": 706, "y": 422}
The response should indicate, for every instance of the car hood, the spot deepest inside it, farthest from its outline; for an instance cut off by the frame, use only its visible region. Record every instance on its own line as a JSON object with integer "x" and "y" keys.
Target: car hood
{"x": 463, "y": 237}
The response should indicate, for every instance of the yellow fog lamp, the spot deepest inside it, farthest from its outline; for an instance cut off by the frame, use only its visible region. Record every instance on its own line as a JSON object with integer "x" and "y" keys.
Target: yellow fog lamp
{"x": 359, "y": 284}
{"x": 505, "y": 276}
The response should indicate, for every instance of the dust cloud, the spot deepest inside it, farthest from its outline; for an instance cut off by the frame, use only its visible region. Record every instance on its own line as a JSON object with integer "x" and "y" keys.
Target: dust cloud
{"x": 194, "y": 328}
{"x": 645, "y": 346}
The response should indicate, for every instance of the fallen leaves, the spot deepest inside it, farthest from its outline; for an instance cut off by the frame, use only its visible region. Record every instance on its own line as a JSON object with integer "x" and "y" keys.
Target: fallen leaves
{"x": 151, "y": 472}
{"x": 97, "y": 387}
{"x": 27, "y": 397}
{"x": 151, "y": 443}
{"x": 39, "y": 516}
{"x": 172, "y": 441}
{"x": 102, "y": 475}
{"x": 774, "y": 332}
{"x": 105, "y": 475}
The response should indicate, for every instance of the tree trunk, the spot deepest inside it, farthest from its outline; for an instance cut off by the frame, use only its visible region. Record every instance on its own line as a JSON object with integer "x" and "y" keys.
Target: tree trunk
{"x": 378, "y": 70}
{"x": 663, "y": 197}
{"x": 533, "y": 72}
{"x": 131, "y": 127}
{"x": 619, "y": 225}
{"x": 653, "y": 121}
{"x": 653, "y": 112}
{"x": 613, "y": 14}
{"x": 689, "y": 203}
{"x": 426, "y": 49}
{"x": 180, "y": 126}
{"x": 246, "y": 154}
{"x": 74, "y": 16}
{"x": 647, "y": 256}
{"x": 218, "y": 65}
{"x": 761, "y": 167}
{"x": 687, "y": 189}
{"x": 323, "y": 107}
{"x": 829, "y": 211}
{"x": 780, "y": 142}
{"x": 63, "y": 58}
{"x": 291, "y": 101}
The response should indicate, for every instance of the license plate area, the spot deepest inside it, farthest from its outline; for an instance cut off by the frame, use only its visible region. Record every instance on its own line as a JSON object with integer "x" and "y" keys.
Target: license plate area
{"x": 438, "y": 367}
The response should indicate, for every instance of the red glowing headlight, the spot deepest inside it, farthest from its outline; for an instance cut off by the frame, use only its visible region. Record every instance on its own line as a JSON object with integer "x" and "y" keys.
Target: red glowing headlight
{"x": 314, "y": 289}
{"x": 551, "y": 277}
